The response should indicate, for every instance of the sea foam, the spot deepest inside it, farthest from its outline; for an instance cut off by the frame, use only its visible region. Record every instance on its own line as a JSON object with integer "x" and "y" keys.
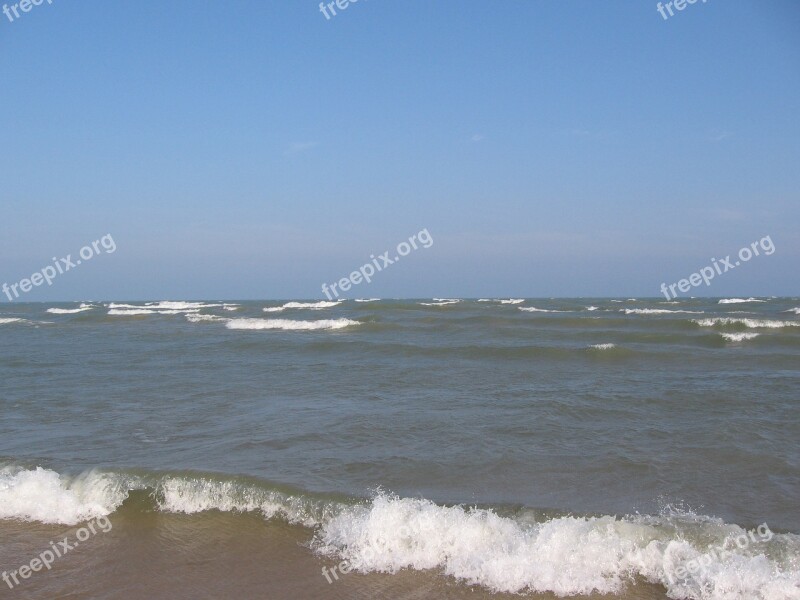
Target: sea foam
{"x": 657, "y": 311}
{"x": 739, "y": 300}
{"x": 44, "y": 495}
{"x": 739, "y": 337}
{"x": 749, "y": 323}
{"x": 69, "y": 311}
{"x": 523, "y": 552}
{"x": 290, "y": 325}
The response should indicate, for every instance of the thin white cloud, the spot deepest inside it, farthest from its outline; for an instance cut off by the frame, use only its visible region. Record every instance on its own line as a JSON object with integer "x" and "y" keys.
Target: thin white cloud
{"x": 718, "y": 135}
{"x": 297, "y": 147}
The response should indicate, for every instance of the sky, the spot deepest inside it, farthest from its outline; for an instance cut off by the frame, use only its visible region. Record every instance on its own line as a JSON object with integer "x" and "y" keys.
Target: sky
{"x": 254, "y": 150}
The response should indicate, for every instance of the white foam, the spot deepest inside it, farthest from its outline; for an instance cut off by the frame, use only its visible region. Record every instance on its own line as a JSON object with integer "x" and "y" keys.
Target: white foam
{"x": 163, "y": 307}
{"x": 739, "y": 337}
{"x": 447, "y": 300}
{"x": 45, "y": 496}
{"x": 513, "y": 301}
{"x": 440, "y": 303}
{"x": 749, "y": 323}
{"x": 544, "y": 310}
{"x": 603, "y": 346}
{"x": 312, "y": 305}
{"x": 794, "y": 310}
{"x": 592, "y": 307}
{"x": 367, "y": 299}
{"x": 739, "y": 300}
{"x": 194, "y": 495}
{"x": 69, "y": 311}
{"x": 196, "y": 318}
{"x": 7, "y": 320}
{"x": 181, "y": 306}
{"x": 290, "y": 325}
{"x": 231, "y": 307}
{"x": 303, "y": 305}
{"x": 565, "y": 556}
{"x": 132, "y": 312}
{"x": 658, "y": 311}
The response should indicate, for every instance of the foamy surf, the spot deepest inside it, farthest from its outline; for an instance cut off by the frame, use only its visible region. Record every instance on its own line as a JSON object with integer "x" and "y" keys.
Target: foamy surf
{"x": 739, "y": 300}
{"x": 441, "y": 302}
{"x": 45, "y": 496}
{"x": 197, "y": 318}
{"x": 168, "y": 305}
{"x": 514, "y": 552}
{"x": 290, "y": 325}
{"x": 749, "y": 323}
{"x": 303, "y": 305}
{"x": 565, "y": 556}
{"x": 658, "y": 311}
{"x": 542, "y": 310}
{"x": 739, "y": 337}
{"x": 69, "y": 311}
{"x": 602, "y": 346}
{"x": 135, "y": 312}
{"x": 8, "y": 320}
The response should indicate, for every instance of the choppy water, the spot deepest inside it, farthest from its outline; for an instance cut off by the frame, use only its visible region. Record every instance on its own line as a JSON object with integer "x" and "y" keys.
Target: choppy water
{"x": 562, "y": 445}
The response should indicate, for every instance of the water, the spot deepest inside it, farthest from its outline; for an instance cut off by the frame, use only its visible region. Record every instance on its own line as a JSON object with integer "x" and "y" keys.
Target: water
{"x": 601, "y": 443}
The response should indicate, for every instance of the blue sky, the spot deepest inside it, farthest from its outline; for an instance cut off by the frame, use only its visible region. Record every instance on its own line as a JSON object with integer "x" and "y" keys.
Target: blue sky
{"x": 256, "y": 150}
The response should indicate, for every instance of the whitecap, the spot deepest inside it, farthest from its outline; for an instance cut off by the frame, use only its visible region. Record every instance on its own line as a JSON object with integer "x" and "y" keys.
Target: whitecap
{"x": 290, "y": 325}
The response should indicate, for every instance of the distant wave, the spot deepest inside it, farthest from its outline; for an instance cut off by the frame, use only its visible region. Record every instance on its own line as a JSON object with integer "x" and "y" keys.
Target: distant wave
{"x": 658, "y": 311}
{"x": 69, "y": 311}
{"x": 794, "y": 310}
{"x": 501, "y": 301}
{"x": 134, "y": 312}
{"x": 367, "y": 299}
{"x": 749, "y": 323}
{"x": 167, "y": 305}
{"x": 564, "y": 555}
{"x": 739, "y": 300}
{"x": 544, "y": 310}
{"x": 160, "y": 308}
{"x": 7, "y": 320}
{"x": 303, "y": 305}
{"x": 603, "y": 346}
{"x": 739, "y": 337}
{"x": 197, "y": 318}
{"x": 290, "y": 325}
{"x": 441, "y": 302}
{"x": 592, "y": 308}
